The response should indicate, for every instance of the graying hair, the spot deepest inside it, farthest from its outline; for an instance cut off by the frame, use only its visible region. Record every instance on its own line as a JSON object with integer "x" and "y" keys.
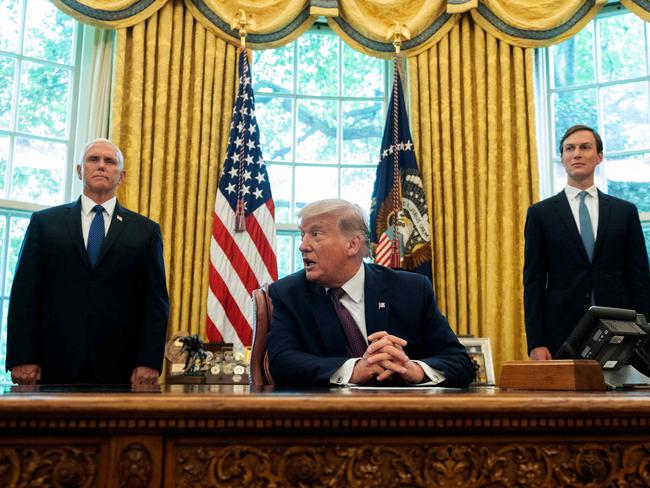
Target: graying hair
{"x": 352, "y": 219}
{"x": 118, "y": 153}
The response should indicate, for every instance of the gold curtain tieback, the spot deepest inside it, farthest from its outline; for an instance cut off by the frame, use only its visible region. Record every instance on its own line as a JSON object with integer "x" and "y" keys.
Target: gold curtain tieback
{"x": 398, "y": 32}
{"x": 241, "y": 21}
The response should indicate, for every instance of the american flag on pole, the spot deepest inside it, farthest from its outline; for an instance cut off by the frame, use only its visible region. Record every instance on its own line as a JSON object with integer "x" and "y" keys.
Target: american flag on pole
{"x": 399, "y": 215}
{"x": 242, "y": 248}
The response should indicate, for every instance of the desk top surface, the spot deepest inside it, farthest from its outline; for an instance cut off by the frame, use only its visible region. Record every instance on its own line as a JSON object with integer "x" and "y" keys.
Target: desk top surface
{"x": 233, "y": 398}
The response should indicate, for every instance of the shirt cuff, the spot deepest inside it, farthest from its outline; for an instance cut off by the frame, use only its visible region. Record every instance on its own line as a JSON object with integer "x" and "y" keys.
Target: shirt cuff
{"x": 434, "y": 375}
{"x": 342, "y": 375}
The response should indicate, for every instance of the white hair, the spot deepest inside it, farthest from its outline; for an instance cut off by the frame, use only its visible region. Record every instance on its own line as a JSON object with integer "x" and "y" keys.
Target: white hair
{"x": 118, "y": 153}
{"x": 352, "y": 220}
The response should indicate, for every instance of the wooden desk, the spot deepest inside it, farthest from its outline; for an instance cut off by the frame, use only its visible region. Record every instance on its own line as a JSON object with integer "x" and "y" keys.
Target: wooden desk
{"x": 207, "y": 435}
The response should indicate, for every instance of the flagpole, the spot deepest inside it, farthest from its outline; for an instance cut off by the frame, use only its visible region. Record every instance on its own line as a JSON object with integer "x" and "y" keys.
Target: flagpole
{"x": 240, "y": 21}
{"x": 396, "y": 259}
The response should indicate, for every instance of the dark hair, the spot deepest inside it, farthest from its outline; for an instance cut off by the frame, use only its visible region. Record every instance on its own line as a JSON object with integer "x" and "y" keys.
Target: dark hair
{"x": 576, "y": 128}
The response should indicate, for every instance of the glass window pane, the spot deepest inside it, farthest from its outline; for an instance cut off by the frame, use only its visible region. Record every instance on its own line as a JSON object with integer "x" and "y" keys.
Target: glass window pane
{"x": 280, "y": 179}
{"x": 5, "y": 377}
{"x": 49, "y": 33}
{"x": 297, "y": 255}
{"x": 572, "y": 62}
{"x": 357, "y": 185}
{"x": 629, "y": 178}
{"x": 621, "y": 55}
{"x": 363, "y": 76}
{"x": 627, "y": 124}
{"x": 284, "y": 254}
{"x": 4, "y": 159}
{"x": 315, "y": 183}
{"x": 7, "y": 72}
{"x": 3, "y": 244}
{"x": 10, "y": 25}
{"x": 274, "y": 117}
{"x": 571, "y": 108}
{"x": 318, "y": 64}
{"x": 362, "y": 132}
{"x": 316, "y": 131}
{"x": 559, "y": 176}
{"x": 17, "y": 228}
{"x": 273, "y": 70}
{"x": 38, "y": 171}
{"x": 43, "y": 86}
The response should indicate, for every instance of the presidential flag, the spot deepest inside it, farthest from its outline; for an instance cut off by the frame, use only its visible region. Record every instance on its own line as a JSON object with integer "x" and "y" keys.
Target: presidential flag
{"x": 399, "y": 216}
{"x": 242, "y": 248}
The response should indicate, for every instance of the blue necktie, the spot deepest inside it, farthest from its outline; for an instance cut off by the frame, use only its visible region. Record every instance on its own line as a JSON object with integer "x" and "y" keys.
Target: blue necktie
{"x": 96, "y": 235}
{"x": 586, "y": 230}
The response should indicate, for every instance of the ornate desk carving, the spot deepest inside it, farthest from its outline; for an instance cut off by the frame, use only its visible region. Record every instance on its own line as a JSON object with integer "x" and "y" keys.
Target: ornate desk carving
{"x": 228, "y": 436}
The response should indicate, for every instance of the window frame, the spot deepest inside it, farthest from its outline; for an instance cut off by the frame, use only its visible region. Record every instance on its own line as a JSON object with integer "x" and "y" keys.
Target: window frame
{"x": 544, "y": 101}
{"x": 291, "y": 230}
{"x": 13, "y": 208}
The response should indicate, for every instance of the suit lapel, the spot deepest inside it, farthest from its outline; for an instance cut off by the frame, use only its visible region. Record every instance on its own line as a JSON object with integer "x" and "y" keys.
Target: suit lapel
{"x": 327, "y": 322}
{"x": 73, "y": 223}
{"x": 376, "y": 302}
{"x": 604, "y": 214}
{"x": 561, "y": 205}
{"x": 118, "y": 222}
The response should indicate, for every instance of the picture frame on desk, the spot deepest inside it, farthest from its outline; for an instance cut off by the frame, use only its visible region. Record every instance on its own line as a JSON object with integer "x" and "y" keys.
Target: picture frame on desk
{"x": 479, "y": 350}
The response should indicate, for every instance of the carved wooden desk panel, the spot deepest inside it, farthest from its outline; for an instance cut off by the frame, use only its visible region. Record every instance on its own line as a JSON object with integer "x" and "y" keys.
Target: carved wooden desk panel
{"x": 230, "y": 436}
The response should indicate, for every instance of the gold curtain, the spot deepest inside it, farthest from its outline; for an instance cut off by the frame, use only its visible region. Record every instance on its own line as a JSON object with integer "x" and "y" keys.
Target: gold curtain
{"x": 473, "y": 120}
{"x": 173, "y": 93}
{"x": 365, "y": 24}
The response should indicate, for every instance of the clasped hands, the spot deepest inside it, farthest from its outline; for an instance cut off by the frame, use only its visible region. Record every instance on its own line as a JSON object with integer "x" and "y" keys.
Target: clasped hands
{"x": 384, "y": 358}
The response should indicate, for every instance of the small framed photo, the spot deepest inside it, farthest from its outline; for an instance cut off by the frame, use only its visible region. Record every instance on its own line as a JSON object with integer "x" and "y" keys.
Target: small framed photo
{"x": 480, "y": 352}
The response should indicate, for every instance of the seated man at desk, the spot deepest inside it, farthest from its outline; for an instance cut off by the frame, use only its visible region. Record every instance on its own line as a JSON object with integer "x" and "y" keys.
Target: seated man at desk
{"x": 342, "y": 321}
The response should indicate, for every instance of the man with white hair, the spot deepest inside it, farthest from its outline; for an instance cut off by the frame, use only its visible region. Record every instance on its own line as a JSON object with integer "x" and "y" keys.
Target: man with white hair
{"x": 342, "y": 321}
{"x": 89, "y": 300}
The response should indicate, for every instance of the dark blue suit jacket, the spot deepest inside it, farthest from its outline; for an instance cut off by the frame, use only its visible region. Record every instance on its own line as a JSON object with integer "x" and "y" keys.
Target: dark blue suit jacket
{"x": 558, "y": 277}
{"x": 65, "y": 316}
{"x": 306, "y": 343}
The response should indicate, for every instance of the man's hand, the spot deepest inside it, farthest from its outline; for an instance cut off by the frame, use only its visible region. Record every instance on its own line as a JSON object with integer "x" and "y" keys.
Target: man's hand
{"x": 364, "y": 371}
{"x": 26, "y": 374}
{"x": 387, "y": 351}
{"x": 540, "y": 354}
{"x": 143, "y": 375}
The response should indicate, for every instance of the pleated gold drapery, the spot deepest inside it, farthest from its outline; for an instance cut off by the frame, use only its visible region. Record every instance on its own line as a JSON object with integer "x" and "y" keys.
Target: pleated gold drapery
{"x": 366, "y": 24}
{"x": 474, "y": 123}
{"x": 173, "y": 95}
{"x": 472, "y": 118}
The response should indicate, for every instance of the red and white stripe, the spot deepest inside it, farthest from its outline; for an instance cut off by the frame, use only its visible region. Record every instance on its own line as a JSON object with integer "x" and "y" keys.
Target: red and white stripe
{"x": 240, "y": 262}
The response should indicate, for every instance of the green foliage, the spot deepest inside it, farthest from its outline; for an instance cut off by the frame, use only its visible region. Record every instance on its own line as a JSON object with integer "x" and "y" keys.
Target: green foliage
{"x": 633, "y": 191}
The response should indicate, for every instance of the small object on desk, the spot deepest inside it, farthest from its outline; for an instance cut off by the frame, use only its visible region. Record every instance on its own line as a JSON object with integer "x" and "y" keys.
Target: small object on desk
{"x": 568, "y": 375}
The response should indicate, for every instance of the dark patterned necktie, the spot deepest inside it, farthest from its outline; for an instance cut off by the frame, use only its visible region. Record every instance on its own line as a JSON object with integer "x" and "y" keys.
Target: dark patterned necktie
{"x": 356, "y": 345}
{"x": 96, "y": 235}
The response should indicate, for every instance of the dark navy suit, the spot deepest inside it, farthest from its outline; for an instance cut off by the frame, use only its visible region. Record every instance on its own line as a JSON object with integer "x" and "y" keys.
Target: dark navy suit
{"x": 75, "y": 321}
{"x": 306, "y": 343}
{"x": 559, "y": 278}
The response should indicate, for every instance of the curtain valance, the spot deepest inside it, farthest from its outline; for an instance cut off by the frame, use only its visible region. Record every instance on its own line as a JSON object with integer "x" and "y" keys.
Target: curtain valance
{"x": 367, "y": 25}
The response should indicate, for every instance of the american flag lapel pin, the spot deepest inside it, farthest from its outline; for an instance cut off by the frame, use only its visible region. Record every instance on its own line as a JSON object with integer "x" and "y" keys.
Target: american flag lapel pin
{"x": 381, "y": 305}
{"x": 119, "y": 217}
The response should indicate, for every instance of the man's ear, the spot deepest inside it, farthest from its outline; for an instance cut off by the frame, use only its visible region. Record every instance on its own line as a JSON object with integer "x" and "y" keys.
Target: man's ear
{"x": 79, "y": 174}
{"x": 354, "y": 245}
{"x": 122, "y": 176}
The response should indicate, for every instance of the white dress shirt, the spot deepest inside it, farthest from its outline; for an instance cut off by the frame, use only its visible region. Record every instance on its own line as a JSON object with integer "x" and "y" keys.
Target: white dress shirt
{"x": 87, "y": 214}
{"x": 353, "y": 300}
{"x": 591, "y": 201}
